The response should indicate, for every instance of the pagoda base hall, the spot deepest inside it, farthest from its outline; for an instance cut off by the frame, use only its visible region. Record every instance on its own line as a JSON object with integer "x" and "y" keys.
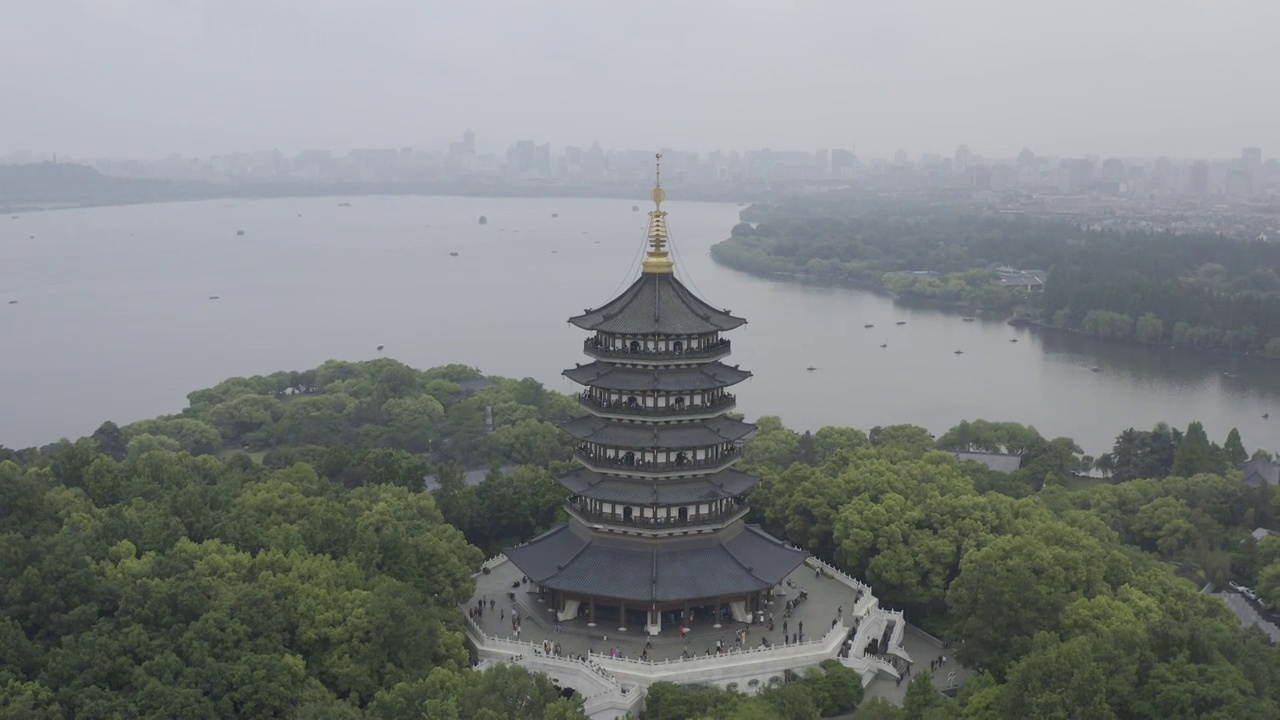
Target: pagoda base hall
{"x": 627, "y": 582}
{"x": 655, "y": 575}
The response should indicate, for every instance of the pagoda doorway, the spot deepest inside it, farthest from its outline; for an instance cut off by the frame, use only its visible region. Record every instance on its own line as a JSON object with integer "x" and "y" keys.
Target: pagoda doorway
{"x": 627, "y": 513}
{"x": 683, "y": 514}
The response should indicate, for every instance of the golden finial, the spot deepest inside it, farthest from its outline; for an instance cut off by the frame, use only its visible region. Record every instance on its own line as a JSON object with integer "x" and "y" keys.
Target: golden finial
{"x": 658, "y": 260}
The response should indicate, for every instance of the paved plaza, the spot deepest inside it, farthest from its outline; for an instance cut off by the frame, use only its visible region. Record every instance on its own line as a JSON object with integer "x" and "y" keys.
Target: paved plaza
{"x": 826, "y": 597}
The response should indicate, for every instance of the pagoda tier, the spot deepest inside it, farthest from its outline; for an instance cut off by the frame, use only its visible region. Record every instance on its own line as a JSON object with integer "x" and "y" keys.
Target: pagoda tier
{"x": 657, "y": 304}
{"x": 623, "y": 378}
{"x": 740, "y": 560}
{"x": 723, "y": 485}
{"x": 649, "y": 436}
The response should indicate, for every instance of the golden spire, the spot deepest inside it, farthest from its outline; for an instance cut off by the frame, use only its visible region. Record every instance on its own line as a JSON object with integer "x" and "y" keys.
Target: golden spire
{"x": 658, "y": 260}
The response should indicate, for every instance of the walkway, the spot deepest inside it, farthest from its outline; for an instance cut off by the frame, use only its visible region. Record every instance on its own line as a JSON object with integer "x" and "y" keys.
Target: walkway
{"x": 924, "y": 649}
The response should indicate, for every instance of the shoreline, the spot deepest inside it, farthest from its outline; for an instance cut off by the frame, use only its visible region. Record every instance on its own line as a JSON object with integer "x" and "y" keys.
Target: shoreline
{"x": 977, "y": 310}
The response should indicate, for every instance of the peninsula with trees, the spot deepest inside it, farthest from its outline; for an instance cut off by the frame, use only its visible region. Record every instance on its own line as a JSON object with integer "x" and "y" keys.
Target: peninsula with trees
{"x": 1205, "y": 292}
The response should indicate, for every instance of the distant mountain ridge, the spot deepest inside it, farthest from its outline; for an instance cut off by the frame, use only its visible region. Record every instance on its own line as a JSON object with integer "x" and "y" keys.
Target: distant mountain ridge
{"x": 49, "y": 185}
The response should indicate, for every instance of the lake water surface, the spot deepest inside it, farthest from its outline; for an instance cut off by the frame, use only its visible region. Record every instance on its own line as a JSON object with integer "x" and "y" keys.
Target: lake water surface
{"x": 114, "y": 319}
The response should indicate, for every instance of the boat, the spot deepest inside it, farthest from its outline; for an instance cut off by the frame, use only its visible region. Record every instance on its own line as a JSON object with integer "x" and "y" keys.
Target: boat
{"x": 811, "y": 368}
{"x": 213, "y": 297}
{"x": 13, "y": 217}
{"x": 553, "y": 252}
{"x": 555, "y": 214}
{"x": 1013, "y": 339}
{"x": 958, "y": 352}
{"x": 635, "y": 208}
{"x": 901, "y": 322}
{"x": 1228, "y": 375}
{"x": 1020, "y": 321}
{"x": 344, "y": 204}
{"x": 380, "y": 347}
{"x": 239, "y": 233}
{"x": 13, "y": 302}
{"x": 484, "y": 220}
{"x": 1095, "y": 368}
{"x": 885, "y": 344}
{"x": 869, "y": 325}
{"x": 1264, "y": 415}
{"x": 453, "y": 254}
{"x": 970, "y": 319}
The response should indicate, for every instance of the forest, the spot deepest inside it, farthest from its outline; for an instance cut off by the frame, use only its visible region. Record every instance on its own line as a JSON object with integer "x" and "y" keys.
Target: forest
{"x": 250, "y": 558}
{"x": 1191, "y": 291}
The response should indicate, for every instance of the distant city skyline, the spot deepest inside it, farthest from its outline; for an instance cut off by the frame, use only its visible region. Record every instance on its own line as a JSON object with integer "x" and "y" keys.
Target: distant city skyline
{"x": 143, "y": 78}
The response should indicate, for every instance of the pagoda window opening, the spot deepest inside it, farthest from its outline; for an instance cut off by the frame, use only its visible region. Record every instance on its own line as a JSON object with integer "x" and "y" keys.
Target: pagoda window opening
{"x": 681, "y": 458}
{"x": 627, "y": 513}
{"x": 677, "y": 347}
{"x": 634, "y": 347}
{"x": 679, "y": 403}
{"x": 633, "y": 402}
{"x": 629, "y": 458}
{"x": 683, "y": 514}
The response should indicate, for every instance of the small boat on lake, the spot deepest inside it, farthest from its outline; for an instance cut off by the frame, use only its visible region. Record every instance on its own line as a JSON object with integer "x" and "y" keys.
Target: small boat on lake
{"x": 869, "y": 325}
{"x": 811, "y": 368}
{"x": 555, "y": 214}
{"x": 901, "y": 322}
{"x": 380, "y": 347}
{"x": 970, "y": 319}
{"x": 453, "y": 254}
{"x": 344, "y": 204}
{"x": 634, "y": 208}
{"x": 1013, "y": 339}
{"x": 213, "y": 297}
{"x": 1095, "y": 368}
{"x": 958, "y": 352}
{"x": 239, "y": 233}
{"x": 484, "y": 220}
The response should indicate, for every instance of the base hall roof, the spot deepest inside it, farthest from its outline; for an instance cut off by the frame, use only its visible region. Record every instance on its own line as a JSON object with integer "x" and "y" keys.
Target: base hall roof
{"x": 663, "y": 491}
{"x": 657, "y": 304}
{"x": 608, "y": 376}
{"x": 672, "y": 436}
{"x": 735, "y": 561}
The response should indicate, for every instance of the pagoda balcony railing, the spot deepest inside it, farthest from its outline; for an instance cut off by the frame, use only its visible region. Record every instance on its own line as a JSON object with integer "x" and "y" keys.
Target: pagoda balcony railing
{"x": 599, "y": 461}
{"x": 618, "y": 408}
{"x": 652, "y": 523}
{"x": 713, "y": 351}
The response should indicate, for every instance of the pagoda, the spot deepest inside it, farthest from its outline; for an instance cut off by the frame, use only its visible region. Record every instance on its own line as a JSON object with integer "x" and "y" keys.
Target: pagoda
{"x": 656, "y": 533}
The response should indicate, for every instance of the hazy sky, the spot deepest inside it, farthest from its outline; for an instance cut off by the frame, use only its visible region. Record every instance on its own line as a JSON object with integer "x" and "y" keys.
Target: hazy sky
{"x": 96, "y": 78}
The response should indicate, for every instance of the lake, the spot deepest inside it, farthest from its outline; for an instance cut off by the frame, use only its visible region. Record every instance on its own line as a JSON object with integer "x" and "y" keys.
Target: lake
{"x": 114, "y": 320}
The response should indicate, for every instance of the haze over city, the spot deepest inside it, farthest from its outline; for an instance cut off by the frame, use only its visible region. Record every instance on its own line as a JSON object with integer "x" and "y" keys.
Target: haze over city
{"x": 145, "y": 78}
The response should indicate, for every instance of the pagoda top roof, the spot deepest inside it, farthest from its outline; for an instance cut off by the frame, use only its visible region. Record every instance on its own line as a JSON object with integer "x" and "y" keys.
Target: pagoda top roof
{"x": 608, "y": 376}
{"x": 620, "y": 433}
{"x": 642, "y": 491}
{"x": 734, "y": 561}
{"x": 657, "y": 304}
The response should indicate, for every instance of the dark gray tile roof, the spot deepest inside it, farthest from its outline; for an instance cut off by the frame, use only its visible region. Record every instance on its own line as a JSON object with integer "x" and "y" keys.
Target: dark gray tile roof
{"x": 1260, "y": 472}
{"x": 620, "y": 433}
{"x": 738, "y": 560}
{"x": 614, "y": 377}
{"x": 661, "y": 491}
{"x": 993, "y": 461}
{"x": 657, "y": 304}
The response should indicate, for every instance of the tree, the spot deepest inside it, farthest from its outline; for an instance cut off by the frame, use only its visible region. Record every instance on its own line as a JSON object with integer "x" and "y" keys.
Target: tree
{"x": 1194, "y": 454}
{"x": 111, "y": 441}
{"x": 1234, "y": 449}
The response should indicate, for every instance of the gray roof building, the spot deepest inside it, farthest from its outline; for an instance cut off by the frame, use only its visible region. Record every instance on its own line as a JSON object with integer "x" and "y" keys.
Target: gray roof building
{"x": 998, "y": 462}
{"x": 1259, "y": 472}
{"x": 656, "y": 510}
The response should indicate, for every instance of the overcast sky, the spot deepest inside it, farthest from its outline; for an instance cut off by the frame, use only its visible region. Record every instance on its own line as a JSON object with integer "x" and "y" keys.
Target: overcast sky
{"x": 116, "y": 78}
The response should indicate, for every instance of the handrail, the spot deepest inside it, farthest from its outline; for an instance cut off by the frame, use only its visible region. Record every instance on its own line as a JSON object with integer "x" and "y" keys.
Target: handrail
{"x": 595, "y": 349}
{"x": 598, "y": 460}
{"x": 724, "y": 402}
{"x": 654, "y": 523}
{"x": 838, "y": 628}
{"x": 838, "y": 574}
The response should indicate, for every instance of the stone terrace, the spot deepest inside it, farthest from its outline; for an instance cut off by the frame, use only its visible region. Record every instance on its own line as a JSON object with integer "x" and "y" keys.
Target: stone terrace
{"x": 826, "y": 595}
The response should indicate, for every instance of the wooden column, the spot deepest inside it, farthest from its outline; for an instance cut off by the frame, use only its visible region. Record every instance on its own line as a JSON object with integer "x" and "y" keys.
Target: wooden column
{"x": 622, "y": 615}
{"x": 716, "y": 618}
{"x": 591, "y": 611}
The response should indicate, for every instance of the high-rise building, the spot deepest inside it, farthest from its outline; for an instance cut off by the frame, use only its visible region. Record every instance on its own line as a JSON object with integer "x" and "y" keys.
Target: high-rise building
{"x": 963, "y": 156}
{"x": 1251, "y": 157}
{"x": 1200, "y": 178}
